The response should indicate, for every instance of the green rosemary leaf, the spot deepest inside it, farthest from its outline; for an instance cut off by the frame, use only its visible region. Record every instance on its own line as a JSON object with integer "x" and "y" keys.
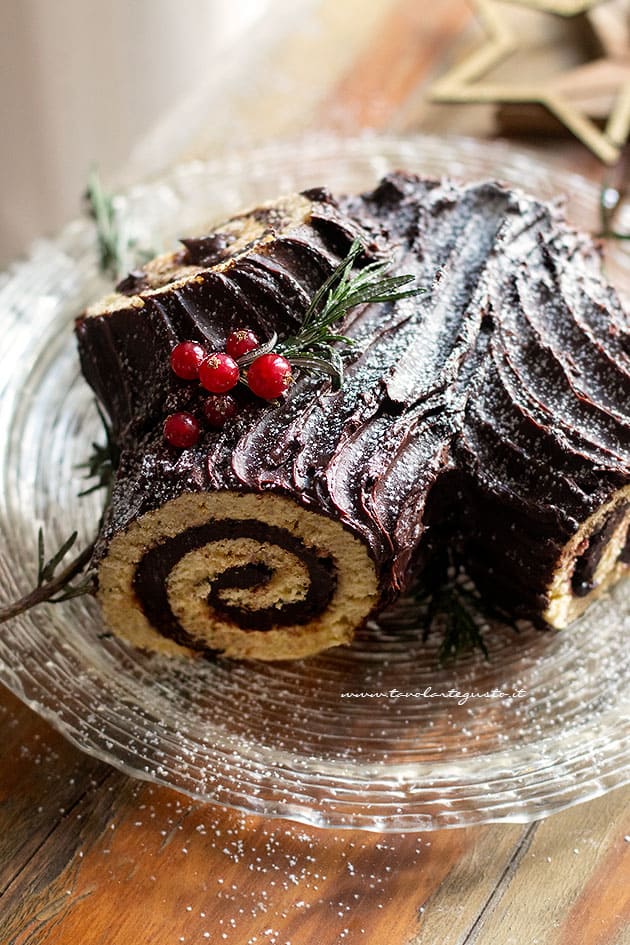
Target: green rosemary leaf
{"x": 94, "y": 488}
{"x": 333, "y": 366}
{"x": 337, "y": 363}
{"x": 454, "y": 609}
{"x": 54, "y": 584}
{"x": 40, "y": 557}
{"x": 70, "y": 591}
{"x": 118, "y": 250}
{"x": 47, "y": 571}
{"x": 103, "y": 211}
{"x": 341, "y": 339}
{"x": 337, "y": 276}
{"x": 52, "y": 587}
{"x": 462, "y": 632}
{"x": 362, "y": 293}
{"x": 103, "y": 461}
{"x": 311, "y": 347}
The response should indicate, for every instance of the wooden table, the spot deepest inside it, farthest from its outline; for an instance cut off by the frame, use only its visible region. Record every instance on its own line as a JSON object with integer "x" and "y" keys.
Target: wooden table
{"x": 89, "y": 856}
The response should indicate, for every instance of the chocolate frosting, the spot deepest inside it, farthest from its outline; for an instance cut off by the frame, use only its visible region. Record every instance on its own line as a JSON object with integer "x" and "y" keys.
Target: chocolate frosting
{"x": 490, "y": 413}
{"x": 206, "y": 250}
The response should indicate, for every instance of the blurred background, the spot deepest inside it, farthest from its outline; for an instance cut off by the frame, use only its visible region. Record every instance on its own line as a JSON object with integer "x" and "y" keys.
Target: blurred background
{"x": 137, "y": 85}
{"x": 86, "y": 82}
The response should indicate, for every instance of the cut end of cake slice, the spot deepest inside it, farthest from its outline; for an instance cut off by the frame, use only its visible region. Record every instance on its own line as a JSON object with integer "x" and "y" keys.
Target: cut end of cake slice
{"x": 592, "y": 562}
{"x": 243, "y": 575}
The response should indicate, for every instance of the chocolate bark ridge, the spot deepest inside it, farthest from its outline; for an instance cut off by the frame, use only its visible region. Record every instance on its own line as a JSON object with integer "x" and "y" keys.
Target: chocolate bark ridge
{"x": 263, "y": 281}
{"x": 207, "y": 250}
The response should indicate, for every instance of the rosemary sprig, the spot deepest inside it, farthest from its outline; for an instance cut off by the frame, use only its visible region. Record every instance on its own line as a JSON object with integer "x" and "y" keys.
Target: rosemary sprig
{"x": 46, "y": 571}
{"x": 103, "y": 461}
{"x": 311, "y": 346}
{"x": 118, "y": 251}
{"x": 111, "y": 244}
{"x": 455, "y": 609}
{"x": 54, "y": 586}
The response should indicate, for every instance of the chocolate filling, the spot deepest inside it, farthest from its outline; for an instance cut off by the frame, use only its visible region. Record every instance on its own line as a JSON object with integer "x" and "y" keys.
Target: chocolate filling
{"x": 583, "y": 580}
{"x": 150, "y": 580}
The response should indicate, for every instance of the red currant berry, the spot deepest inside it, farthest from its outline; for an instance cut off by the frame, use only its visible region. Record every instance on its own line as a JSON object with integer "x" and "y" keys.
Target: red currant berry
{"x": 219, "y": 409}
{"x": 186, "y": 359}
{"x": 241, "y": 342}
{"x": 181, "y": 430}
{"x": 269, "y": 376}
{"x": 219, "y": 373}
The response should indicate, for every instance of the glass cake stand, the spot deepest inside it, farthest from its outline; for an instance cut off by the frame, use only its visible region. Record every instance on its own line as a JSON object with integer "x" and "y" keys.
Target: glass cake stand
{"x": 373, "y": 735}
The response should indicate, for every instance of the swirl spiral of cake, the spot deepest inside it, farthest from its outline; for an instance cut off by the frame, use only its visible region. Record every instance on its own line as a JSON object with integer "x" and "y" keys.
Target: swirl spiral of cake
{"x": 489, "y": 415}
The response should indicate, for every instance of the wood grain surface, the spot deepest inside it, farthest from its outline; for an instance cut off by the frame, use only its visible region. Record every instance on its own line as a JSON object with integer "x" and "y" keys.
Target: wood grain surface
{"x": 90, "y": 857}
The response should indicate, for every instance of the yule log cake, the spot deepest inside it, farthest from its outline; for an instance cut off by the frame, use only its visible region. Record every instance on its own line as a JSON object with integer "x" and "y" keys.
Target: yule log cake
{"x": 489, "y": 414}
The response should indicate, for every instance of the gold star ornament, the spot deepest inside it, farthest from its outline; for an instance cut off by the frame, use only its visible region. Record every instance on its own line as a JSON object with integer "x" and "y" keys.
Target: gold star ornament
{"x": 598, "y": 87}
